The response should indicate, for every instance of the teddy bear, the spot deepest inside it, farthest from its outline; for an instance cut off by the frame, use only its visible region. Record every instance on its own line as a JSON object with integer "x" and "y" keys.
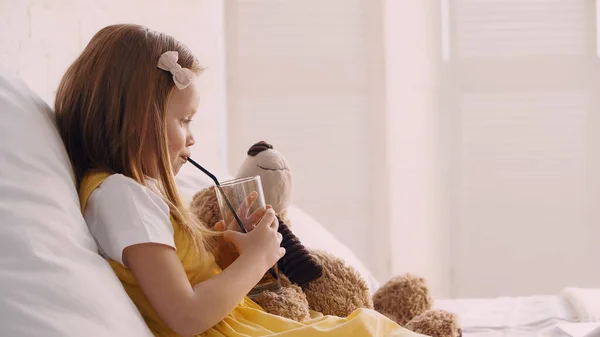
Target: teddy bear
{"x": 316, "y": 281}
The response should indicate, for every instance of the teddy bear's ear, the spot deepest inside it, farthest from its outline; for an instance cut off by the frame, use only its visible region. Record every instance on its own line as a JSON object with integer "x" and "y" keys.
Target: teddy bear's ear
{"x": 258, "y": 148}
{"x": 205, "y": 207}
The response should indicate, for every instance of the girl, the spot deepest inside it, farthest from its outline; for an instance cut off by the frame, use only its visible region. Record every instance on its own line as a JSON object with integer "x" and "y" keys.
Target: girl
{"x": 123, "y": 109}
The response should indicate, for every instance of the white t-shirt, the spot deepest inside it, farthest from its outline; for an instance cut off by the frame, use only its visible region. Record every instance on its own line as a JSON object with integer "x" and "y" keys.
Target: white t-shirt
{"x": 122, "y": 213}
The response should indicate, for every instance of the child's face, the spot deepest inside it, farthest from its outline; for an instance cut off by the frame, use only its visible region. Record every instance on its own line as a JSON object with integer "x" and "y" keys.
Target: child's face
{"x": 181, "y": 107}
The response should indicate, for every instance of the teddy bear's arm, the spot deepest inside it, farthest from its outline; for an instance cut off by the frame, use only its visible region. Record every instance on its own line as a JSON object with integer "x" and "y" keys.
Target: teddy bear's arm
{"x": 297, "y": 264}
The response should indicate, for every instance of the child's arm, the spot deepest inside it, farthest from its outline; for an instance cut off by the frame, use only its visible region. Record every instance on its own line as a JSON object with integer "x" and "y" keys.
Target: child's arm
{"x": 192, "y": 310}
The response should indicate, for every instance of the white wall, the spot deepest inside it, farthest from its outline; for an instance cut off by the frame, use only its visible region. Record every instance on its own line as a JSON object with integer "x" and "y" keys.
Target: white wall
{"x": 347, "y": 91}
{"x": 39, "y": 39}
{"x": 493, "y": 145}
{"x": 415, "y": 190}
{"x": 307, "y": 76}
{"x": 521, "y": 104}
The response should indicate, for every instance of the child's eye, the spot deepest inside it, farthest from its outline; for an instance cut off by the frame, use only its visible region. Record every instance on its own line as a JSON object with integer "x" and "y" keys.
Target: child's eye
{"x": 186, "y": 121}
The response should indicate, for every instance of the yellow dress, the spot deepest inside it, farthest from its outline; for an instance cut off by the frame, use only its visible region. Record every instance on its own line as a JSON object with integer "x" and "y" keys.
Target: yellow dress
{"x": 248, "y": 319}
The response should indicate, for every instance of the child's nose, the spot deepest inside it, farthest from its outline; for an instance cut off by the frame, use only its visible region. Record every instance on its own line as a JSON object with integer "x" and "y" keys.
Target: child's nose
{"x": 190, "y": 141}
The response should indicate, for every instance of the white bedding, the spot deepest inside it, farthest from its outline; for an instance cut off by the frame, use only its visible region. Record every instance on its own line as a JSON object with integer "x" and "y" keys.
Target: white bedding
{"x": 524, "y": 316}
{"x": 584, "y": 302}
{"x": 508, "y": 316}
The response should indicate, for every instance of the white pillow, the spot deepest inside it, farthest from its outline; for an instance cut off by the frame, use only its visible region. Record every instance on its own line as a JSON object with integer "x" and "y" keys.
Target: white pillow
{"x": 585, "y": 303}
{"x": 310, "y": 232}
{"x": 52, "y": 280}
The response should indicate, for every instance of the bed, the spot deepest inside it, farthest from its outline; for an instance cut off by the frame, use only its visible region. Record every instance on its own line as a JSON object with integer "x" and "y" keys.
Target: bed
{"x": 526, "y": 316}
{"x": 508, "y": 316}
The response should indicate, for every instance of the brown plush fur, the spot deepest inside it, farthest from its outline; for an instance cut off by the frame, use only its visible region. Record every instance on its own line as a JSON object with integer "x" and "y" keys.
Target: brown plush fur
{"x": 340, "y": 290}
{"x": 290, "y": 301}
{"x": 402, "y": 298}
{"x": 284, "y": 217}
{"x": 436, "y": 323}
{"x": 206, "y": 207}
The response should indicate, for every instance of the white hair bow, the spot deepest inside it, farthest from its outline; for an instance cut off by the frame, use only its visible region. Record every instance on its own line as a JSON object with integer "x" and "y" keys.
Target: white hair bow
{"x": 181, "y": 76}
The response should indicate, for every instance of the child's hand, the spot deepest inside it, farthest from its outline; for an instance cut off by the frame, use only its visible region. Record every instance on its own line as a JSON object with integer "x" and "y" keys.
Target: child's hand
{"x": 263, "y": 242}
{"x": 248, "y": 220}
{"x": 226, "y": 252}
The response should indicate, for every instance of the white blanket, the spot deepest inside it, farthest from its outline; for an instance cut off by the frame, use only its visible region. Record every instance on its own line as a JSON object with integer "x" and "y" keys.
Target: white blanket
{"x": 585, "y": 303}
{"x": 572, "y": 330}
{"x": 508, "y": 312}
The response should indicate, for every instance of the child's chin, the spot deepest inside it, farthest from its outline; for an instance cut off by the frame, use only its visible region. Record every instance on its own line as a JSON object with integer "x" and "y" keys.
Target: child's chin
{"x": 176, "y": 169}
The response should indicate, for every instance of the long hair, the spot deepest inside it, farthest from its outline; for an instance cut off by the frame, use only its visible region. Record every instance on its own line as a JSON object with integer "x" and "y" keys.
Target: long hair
{"x": 111, "y": 111}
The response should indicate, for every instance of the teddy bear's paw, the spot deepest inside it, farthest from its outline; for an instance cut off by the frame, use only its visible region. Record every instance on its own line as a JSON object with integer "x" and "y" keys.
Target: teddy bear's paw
{"x": 340, "y": 291}
{"x": 436, "y": 323}
{"x": 289, "y": 302}
{"x": 402, "y": 298}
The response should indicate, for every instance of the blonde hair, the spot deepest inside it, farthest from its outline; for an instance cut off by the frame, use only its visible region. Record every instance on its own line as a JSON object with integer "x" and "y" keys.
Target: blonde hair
{"x": 111, "y": 109}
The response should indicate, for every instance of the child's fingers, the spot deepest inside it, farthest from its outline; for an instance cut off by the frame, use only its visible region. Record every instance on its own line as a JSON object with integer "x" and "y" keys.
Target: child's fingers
{"x": 256, "y": 216}
{"x": 247, "y": 204}
{"x": 234, "y": 226}
{"x": 232, "y": 237}
{"x": 219, "y": 226}
{"x": 275, "y": 224}
{"x": 267, "y": 219}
